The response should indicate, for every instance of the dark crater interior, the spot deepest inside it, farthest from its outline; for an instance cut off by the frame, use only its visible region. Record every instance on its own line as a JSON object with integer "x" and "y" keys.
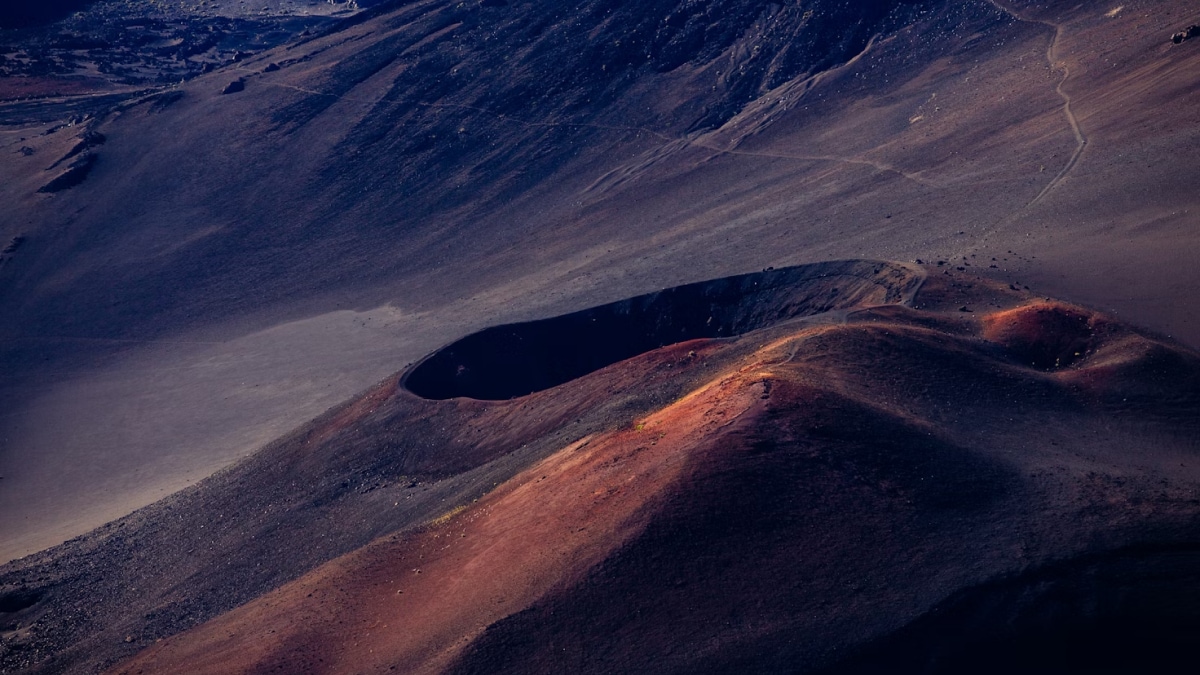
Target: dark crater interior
{"x": 508, "y": 361}
{"x": 18, "y": 600}
{"x": 1130, "y": 612}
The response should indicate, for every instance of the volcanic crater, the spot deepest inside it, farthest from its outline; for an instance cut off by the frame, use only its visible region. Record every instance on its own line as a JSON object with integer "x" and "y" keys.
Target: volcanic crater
{"x": 843, "y": 467}
{"x": 514, "y": 360}
{"x": 839, "y": 472}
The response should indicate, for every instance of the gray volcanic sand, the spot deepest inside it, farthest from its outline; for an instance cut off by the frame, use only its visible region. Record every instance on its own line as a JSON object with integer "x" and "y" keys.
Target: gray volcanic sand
{"x": 231, "y": 396}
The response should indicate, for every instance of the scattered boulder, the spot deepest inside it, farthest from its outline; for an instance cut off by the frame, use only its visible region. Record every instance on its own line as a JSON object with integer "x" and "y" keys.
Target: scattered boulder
{"x": 271, "y": 67}
{"x": 1191, "y": 32}
{"x": 86, "y": 142}
{"x": 235, "y": 86}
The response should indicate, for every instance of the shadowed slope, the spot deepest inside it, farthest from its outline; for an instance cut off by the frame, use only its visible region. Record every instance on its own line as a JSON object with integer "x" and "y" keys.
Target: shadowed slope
{"x": 1123, "y": 612}
{"x": 818, "y": 488}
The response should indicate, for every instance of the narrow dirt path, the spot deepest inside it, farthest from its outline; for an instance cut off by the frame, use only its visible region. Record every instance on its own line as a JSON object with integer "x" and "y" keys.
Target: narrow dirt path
{"x": 1052, "y": 58}
{"x": 670, "y": 139}
{"x": 879, "y": 166}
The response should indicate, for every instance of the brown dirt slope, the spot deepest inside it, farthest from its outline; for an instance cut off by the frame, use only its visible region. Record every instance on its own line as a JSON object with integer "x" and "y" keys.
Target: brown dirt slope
{"x": 977, "y": 479}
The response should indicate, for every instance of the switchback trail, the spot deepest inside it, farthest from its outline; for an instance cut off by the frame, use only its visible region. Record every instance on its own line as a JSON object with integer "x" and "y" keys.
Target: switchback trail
{"x": 1055, "y": 64}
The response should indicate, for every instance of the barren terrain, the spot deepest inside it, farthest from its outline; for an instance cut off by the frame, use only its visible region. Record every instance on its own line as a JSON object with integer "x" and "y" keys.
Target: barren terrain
{"x": 208, "y": 244}
{"x": 876, "y": 444}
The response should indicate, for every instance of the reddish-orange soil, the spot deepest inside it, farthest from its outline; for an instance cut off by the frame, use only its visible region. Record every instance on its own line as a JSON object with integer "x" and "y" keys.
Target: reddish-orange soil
{"x": 419, "y": 599}
{"x": 819, "y": 491}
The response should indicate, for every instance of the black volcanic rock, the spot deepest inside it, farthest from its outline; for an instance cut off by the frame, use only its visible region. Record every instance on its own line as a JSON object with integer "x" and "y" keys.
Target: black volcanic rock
{"x": 99, "y": 43}
{"x": 87, "y": 141}
{"x": 1189, "y": 33}
{"x": 160, "y": 102}
{"x": 14, "y": 244}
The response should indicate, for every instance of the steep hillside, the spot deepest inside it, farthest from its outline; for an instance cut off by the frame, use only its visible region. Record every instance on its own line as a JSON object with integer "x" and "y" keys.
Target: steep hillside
{"x": 380, "y": 463}
{"x": 893, "y": 485}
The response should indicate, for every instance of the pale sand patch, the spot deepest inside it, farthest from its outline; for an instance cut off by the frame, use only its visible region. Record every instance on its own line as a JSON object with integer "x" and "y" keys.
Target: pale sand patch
{"x": 95, "y": 445}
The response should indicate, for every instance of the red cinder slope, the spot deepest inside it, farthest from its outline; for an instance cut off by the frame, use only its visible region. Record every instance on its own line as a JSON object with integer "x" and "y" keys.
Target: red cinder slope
{"x": 830, "y": 491}
{"x": 392, "y": 460}
{"x": 413, "y": 602}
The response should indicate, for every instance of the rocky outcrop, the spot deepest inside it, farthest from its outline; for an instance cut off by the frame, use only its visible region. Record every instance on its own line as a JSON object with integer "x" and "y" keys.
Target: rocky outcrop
{"x": 76, "y": 173}
{"x": 87, "y": 141}
{"x": 1187, "y": 34}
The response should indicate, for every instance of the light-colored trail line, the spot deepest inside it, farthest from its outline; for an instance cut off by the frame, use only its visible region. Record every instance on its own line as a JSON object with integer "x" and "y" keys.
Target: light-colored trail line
{"x": 878, "y": 166}
{"x": 807, "y": 85}
{"x": 1055, "y": 64}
